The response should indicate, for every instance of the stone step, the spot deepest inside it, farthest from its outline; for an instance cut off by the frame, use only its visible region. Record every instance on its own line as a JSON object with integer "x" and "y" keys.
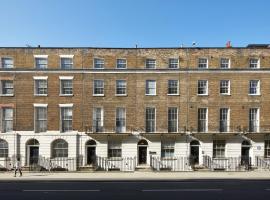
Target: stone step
{"x": 143, "y": 168}
{"x": 87, "y": 168}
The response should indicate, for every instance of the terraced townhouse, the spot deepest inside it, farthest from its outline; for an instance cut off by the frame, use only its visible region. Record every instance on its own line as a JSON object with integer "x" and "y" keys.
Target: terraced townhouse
{"x": 177, "y": 109}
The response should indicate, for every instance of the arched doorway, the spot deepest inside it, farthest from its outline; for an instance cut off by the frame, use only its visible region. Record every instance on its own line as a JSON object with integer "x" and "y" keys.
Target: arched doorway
{"x": 245, "y": 151}
{"x": 142, "y": 152}
{"x": 90, "y": 148}
{"x": 194, "y": 152}
{"x": 32, "y": 151}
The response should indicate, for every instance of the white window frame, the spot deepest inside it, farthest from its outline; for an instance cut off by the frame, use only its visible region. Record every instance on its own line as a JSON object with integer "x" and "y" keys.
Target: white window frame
{"x": 155, "y": 120}
{"x": 99, "y": 87}
{"x": 173, "y": 64}
{"x": 101, "y": 119}
{"x": 65, "y": 78}
{"x": 172, "y": 94}
{"x": 6, "y": 57}
{"x": 257, "y": 120}
{"x": 2, "y": 118}
{"x": 167, "y": 145}
{"x": 1, "y": 88}
{"x": 147, "y": 89}
{"x": 177, "y": 120}
{"x": 227, "y": 120}
{"x": 37, "y": 106}
{"x": 251, "y": 64}
{"x": 229, "y": 63}
{"x": 218, "y": 149}
{"x": 199, "y": 63}
{"x": 206, "y": 120}
{"x": 62, "y": 106}
{"x": 122, "y": 129}
{"x": 100, "y": 59}
{"x": 121, "y": 64}
{"x": 221, "y": 85}
{"x": 114, "y": 145}
{"x": 147, "y": 60}
{"x": 66, "y": 56}
{"x": 116, "y": 94}
{"x": 40, "y": 78}
{"x": 258, "y": 88}
{"x": 41, "y": 57}
{"x": 198, "y": 86}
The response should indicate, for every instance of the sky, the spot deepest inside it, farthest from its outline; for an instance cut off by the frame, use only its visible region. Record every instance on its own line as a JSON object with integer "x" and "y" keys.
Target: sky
{"x": 125, "y": 23}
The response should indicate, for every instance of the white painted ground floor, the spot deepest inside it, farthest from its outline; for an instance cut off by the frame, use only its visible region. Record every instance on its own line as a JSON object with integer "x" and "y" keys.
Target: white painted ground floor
{"x": 30, "y": 146}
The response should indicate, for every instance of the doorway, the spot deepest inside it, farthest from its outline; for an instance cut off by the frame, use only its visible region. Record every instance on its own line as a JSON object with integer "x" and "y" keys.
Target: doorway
{"x": 142, "y": 152}
{"x": 32, "y": 152}
{"x": 33, "y": 155}
{"x": 90, "y": 152}
{"x": 194, "y": 152}
{"x": 245, "y": 157}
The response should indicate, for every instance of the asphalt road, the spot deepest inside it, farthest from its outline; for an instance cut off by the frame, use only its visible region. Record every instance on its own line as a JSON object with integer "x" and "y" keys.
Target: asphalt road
{"x": 139, "y": 190}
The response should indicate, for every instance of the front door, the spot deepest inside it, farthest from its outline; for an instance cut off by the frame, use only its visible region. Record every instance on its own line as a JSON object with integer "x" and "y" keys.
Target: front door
{"x": 33, "y": 155}
{"x": 142, "y": 155}
{"x": 194, "y": 155}
{"x": 91, "y": 155}
{"x": 245, "y": 160}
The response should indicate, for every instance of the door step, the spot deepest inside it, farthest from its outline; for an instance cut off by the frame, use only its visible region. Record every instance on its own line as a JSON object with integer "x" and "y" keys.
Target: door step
{"x": 87, "y": 168}
{"x": 144, "y": 168}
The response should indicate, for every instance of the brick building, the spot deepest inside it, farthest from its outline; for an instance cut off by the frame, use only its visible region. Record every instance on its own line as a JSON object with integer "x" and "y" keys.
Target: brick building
{"x": 142, "y": 103}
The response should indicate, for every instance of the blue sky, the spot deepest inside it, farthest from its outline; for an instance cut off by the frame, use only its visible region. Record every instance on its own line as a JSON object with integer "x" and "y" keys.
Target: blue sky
{"x": 124, "y": 23}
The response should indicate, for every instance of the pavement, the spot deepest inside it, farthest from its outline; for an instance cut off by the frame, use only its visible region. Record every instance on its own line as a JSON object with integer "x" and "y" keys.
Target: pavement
{"x": 133, "y": 176}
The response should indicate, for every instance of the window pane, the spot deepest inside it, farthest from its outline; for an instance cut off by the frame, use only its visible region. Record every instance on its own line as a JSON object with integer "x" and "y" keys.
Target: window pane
{"x": 173, "y": 87}
{"x": 41, "y": 63}
{"x": 120, "y": 87}
{"x": 121, "y": 63}
{"x": 66, "y": 119}
{"x": 172, "y": 119}
{"x": 98, "y": 63}
{"x": 66, "y": 63}
{"x": 7, "y": 120}
{"x": 150, "y": 63}
{"x": 97, "y": 120}
{"x": 67, "y": 87}
{"x": 120, "y": 120}
{"x": 150, "y": 119}
{"x": 151, "y": 87}
{"x": 173, "y": 63}
{"x": 98, "y": 87}
{"x": 7, "y": 62}
{"x": 202, "y": 119}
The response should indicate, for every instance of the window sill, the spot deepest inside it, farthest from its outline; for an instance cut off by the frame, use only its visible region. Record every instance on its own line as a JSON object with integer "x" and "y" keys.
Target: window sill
{"x": 173, "y": 94}
{"x": 98, "y": 68}
{"x": 40, "y": 95}
{"x": 254, "y": 94}
{"x": 7, "y": 95}
{"x": 225, "y": 94}
{"x": 121, "y": 68}
{"x": 150, "y": 95}
{"x": 202, "y": 95}
{"x": 120, "y": 95}
{"x": 66, "y": 95}
{"x": 98, "y": 95}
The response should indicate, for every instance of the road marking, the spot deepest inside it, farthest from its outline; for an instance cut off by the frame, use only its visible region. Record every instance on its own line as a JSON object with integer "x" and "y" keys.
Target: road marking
{"x": 61, "y": 190}
{"x": 183, "y": 190}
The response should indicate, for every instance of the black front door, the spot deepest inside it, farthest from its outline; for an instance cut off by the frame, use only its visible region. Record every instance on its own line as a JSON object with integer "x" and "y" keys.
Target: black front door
{"x": 245, "y": 160}
{"x": 142, "y": 155}
{"x": 33, "y": 155}
{"x": 194, "y": 155}
{"x": 91, "y": 155}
